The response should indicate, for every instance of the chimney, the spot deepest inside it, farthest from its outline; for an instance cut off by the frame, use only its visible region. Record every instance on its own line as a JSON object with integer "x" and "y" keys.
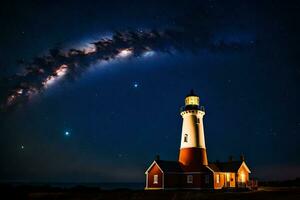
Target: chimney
{"x": 157, "y": 157}
{"x": 242, "y": 157}
{"x": 230, "y": 159}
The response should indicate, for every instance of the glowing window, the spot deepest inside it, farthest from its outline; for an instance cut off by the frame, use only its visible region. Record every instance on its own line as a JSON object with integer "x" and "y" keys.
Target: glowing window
{"x": 228, "y": 177}
{"x": 185, "y": 138}
{"x": 189, "y": 179}
{"x": 218, "y": 178}
{"x": 155, "y": 179}
{"x": 243, "y": 179}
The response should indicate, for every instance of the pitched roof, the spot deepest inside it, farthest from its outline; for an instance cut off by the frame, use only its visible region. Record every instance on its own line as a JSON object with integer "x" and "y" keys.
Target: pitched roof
{"x": 169, "y": 166}
{"x": 231, "y": 166}
{"x": 175, "y": 166}
{"x": 195, "y": 168}
{"x": 213, "y": 167}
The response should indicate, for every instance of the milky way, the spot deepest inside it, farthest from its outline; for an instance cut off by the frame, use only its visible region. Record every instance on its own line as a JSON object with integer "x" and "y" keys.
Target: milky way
{"x": 44, "y": 70}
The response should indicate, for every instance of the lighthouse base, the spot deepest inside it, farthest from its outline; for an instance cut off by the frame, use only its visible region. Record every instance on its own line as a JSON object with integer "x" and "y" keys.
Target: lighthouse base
{"x": 193, "y": 157}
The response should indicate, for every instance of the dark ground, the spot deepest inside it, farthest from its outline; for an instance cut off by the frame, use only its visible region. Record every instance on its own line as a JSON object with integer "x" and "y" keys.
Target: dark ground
{"x": 78, "y": 193}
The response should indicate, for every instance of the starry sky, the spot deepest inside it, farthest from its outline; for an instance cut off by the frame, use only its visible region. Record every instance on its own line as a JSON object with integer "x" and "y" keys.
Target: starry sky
{"x": 108, "y": 121}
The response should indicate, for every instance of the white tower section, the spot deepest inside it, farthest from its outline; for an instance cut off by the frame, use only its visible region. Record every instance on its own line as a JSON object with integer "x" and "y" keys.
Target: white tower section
{"x": 192, "y": 134}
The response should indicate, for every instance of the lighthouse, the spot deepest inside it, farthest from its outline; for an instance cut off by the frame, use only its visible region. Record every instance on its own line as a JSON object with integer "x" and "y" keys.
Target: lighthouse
{"x": 192, "y": 169}
{"x": 192, "y": 148}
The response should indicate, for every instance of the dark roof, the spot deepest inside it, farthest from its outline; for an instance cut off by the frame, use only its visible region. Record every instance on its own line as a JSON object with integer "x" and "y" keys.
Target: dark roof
{"x": 175, "y": 166}
{"x": 192, "y": 93}
{"x": 195, "y": 168}
{"x": 169, "y": 166}
{"x": 214, "y": 167}
{"x": 230, "y": 166}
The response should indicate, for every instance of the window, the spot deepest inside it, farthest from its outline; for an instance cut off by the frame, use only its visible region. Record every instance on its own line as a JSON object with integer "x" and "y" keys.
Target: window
{"x": 198, "y": 120}
{"x": 206, "y": 179}
{"x": 185, "y": 138}
{"x": 189, "y": 179}
{"x": 218, "y": 178}
{"x": 227, "y": 177}
{"x": 242, "y": 177}
{"x": 155, "y": 179}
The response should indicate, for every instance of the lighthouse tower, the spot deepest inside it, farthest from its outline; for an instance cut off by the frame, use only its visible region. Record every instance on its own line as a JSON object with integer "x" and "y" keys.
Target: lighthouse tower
{"x": 192, "y": 149}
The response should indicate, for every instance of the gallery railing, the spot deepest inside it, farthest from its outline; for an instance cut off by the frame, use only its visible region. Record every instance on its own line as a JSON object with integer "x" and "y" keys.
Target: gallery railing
{"x": 185, "y": 108}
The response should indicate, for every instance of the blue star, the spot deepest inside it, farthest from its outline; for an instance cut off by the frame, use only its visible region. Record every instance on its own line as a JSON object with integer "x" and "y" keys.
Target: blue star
{"x": 67, "y": 133}
{"x": 135, "y": 85}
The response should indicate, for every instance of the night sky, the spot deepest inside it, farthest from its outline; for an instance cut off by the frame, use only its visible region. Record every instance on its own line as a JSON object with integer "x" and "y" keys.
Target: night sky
{"x": 106, "y": 120}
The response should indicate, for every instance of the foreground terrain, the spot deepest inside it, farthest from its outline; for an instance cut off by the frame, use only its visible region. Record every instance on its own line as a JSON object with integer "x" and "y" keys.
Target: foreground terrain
{"x": 84, "y": 193}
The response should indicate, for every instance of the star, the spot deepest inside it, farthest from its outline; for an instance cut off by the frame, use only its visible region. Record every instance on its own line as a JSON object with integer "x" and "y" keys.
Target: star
{"x": 136, "y": 85}
{"x": 67, "y": 133}
{"x": 22, "y": 147}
